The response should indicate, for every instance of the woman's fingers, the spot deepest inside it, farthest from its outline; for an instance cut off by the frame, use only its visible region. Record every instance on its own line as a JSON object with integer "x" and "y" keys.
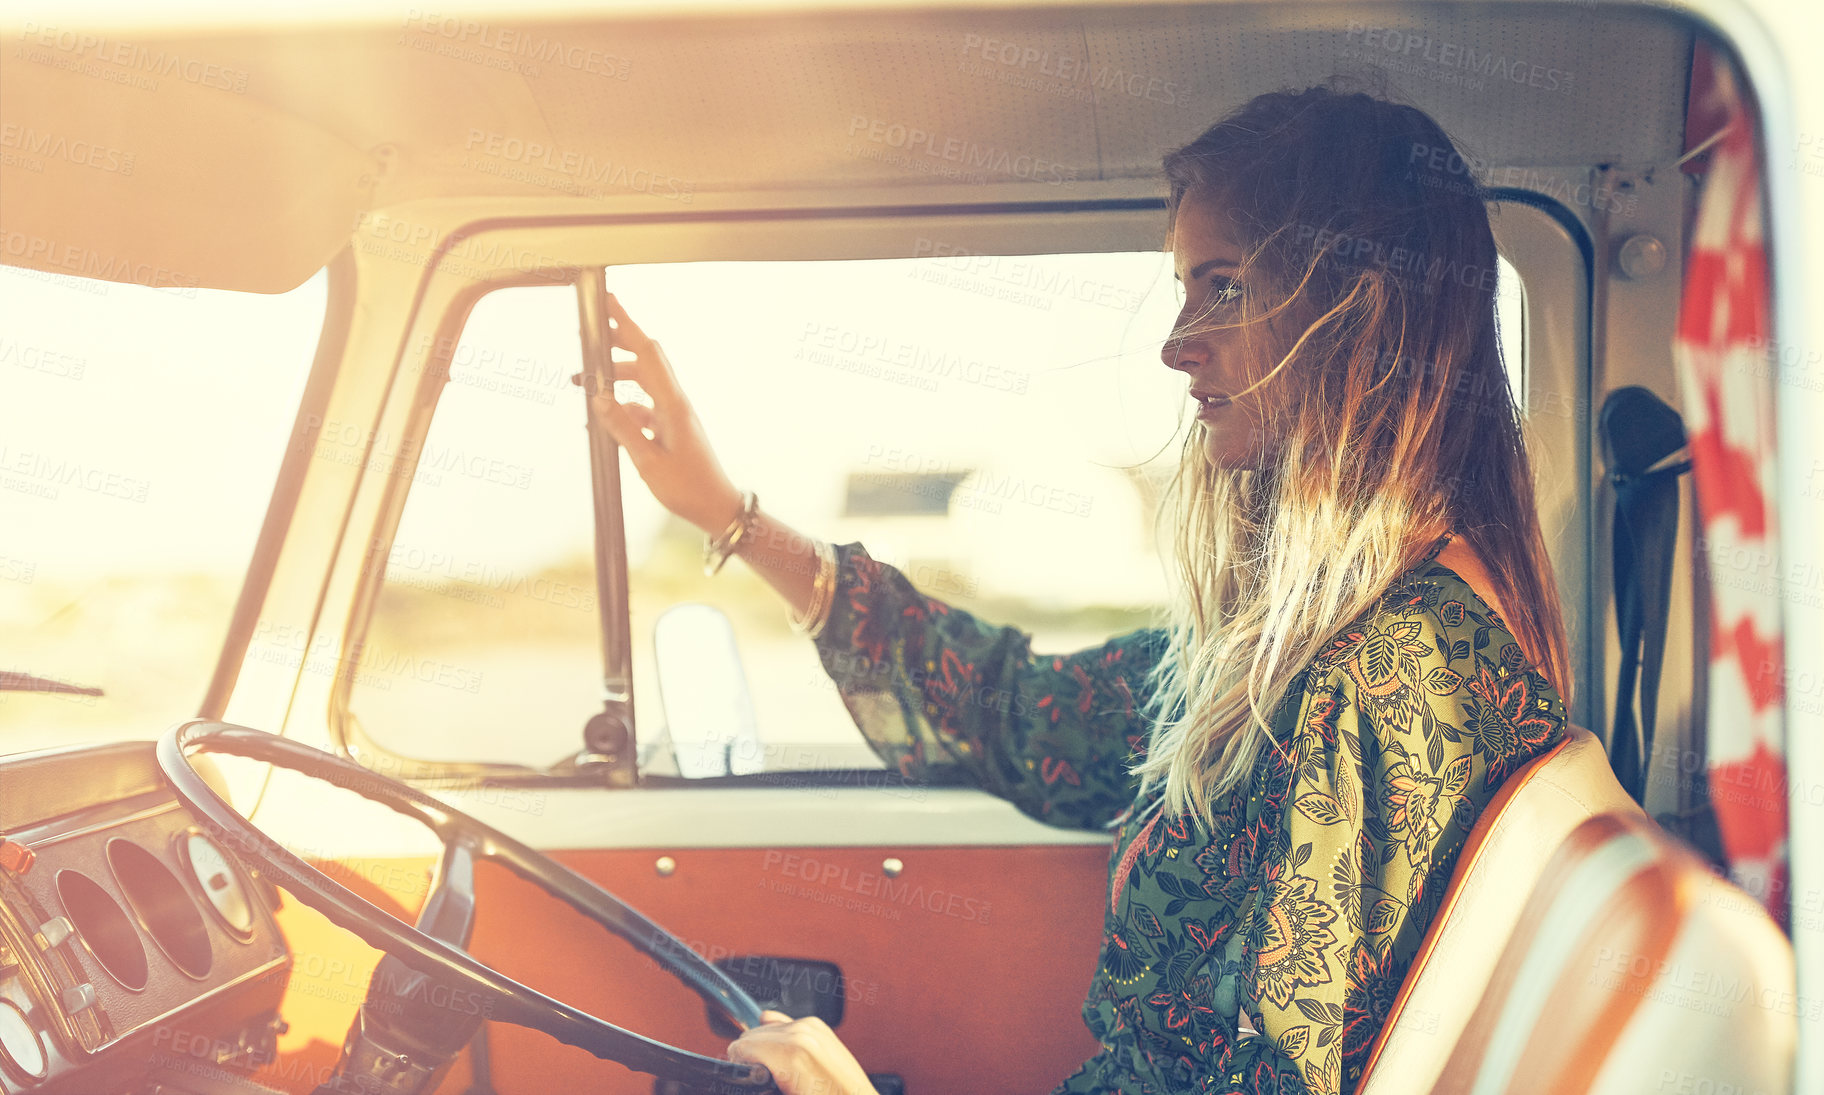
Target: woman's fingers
{"x": 624, "y": 371}
{"x": 676, "y": 462}
{"x": 643, "y": 417}
{"x": 660, "y": 373}
{"x": 626, "y": 331}
{"x": 804, "y": 1056}
{"x": 652, "y": 372}
{"x": 627, "y": 334}
{"x": 651, "y": 363}
{"x": 636, "y": 369}
{"x": 624, "y": 426}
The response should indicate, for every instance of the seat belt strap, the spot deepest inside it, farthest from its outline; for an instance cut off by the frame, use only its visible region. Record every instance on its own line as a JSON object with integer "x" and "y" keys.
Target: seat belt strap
{"x": 1639, "y": 431}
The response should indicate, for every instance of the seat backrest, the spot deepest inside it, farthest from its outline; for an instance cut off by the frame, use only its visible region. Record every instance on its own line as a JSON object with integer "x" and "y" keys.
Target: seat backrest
{"x": 1567, "y": 894}
{"x": 1506, "y": 852}
{"x": 1633, "y": 968}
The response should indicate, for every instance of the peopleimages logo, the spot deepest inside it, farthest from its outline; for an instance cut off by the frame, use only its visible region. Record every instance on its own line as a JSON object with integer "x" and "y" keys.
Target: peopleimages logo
{"x": 921, "y": 147}
{"x": 41, "y": 359}
{"x": 1383, "y": 44}
{"x": 570, "y": 170}
{"x": 921, "y": 365}
{"x": 44, "y": 475}
{"x": 23, "y": 146}
{"x": 1428, "y": 269}
{"x": 512, "y": 49}
{"x": 987, "y": 489}
{"x": 411, "y": 564}
{"x": 86, "y": 263}
{"x": 832, "y": 878}
{"x": 1444, "y": 167}
{"x": 378, "y": 451}
{"x": 365, "y": 663}
{"x": 121, "y": 62}
{"x": 1045, "y": 280}
{"x": 1068, "y": 74}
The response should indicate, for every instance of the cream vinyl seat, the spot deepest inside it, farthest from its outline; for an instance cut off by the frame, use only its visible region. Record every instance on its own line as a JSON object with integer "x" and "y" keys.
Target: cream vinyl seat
{"x": 1581, "y": 949}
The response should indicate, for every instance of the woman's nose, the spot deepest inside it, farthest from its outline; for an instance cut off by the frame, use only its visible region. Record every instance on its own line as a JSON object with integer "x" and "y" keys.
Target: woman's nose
{"x": 1180, "y": 350}
{"x": 1180, "y": 353}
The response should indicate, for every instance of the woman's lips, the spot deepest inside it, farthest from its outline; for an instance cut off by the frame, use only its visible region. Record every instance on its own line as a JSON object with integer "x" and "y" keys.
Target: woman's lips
{"x": 1210, "y": 404}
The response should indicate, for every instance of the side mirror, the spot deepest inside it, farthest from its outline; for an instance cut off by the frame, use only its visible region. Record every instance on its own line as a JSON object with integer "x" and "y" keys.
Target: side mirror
{"x": 709, "y": 714}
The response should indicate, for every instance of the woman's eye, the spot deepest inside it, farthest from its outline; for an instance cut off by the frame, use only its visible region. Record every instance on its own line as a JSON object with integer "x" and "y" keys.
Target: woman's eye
{"x": 1224, "y": 291}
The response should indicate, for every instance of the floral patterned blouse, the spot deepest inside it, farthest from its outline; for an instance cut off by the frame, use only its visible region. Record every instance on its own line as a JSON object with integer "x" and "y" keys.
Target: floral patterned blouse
{"x": 1301, "y": 910}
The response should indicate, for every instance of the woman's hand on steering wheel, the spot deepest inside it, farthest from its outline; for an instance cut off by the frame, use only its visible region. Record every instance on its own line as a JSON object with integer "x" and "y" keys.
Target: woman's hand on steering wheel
{"x": 803, "y": 1055}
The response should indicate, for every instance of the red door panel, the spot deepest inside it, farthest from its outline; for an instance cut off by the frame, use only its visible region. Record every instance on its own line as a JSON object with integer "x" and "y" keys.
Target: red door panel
{"x": 965, "y": 974}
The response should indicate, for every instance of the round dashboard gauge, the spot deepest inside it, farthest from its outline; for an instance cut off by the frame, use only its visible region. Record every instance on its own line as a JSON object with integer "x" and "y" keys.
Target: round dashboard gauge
{"x": 21, "y": 1048}
{"x": 220, "y": 882}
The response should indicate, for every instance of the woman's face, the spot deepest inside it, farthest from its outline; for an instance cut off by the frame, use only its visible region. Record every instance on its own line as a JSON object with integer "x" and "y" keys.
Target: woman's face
{"x": 1222, "y": 363}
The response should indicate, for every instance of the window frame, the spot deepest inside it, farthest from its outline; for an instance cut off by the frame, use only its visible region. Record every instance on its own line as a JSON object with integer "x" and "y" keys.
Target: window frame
{"x": 1020, "y": 228}
{"x": 1536, "y": 229}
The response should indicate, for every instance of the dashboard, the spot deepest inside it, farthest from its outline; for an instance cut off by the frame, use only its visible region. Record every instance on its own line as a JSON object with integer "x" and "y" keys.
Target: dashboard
{"x": 137, "y": 954}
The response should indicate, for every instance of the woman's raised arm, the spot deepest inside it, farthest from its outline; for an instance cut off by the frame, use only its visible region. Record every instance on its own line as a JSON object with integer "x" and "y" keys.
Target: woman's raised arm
{"x": 680, "y": 467}
{"x": 929, "y": 685}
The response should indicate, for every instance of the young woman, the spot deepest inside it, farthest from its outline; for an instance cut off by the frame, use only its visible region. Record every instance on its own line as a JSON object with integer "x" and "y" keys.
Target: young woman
{"x": 1367, "y": 641}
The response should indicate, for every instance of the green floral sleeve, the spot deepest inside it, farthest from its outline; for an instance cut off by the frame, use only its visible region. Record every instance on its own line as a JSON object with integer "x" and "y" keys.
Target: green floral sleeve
{"x": 932, "y": 687}
{"x": 1406, "y": 727}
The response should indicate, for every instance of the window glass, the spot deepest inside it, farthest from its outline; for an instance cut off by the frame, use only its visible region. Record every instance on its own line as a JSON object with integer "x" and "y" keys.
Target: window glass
{"x": 999, "y": 428}
{"x": 141, "y": 430}
{"x": 1510, "y": 323}
{"x": 489, "y": 594}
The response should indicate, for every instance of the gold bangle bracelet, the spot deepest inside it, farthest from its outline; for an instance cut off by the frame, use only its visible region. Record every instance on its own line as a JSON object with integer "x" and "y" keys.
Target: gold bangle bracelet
{"x": 821, "y": 584}
{"x": 826, "y": 571}
{"x": 823, "y": 593}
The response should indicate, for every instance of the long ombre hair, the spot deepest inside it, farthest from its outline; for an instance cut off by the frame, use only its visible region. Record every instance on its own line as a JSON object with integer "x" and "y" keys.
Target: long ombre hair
{"x": 1367, "y": 239}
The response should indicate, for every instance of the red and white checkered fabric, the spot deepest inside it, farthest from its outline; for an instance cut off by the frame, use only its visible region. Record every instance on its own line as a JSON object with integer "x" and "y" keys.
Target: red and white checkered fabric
{"x": 1727, "y": 377}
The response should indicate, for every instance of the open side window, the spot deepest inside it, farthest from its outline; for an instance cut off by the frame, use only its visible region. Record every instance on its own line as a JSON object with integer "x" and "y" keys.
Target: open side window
{"x": 1000, "y": 428}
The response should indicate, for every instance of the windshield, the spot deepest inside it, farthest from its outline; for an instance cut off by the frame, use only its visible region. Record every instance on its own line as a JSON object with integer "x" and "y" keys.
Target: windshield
{"x": 140, "y": 433}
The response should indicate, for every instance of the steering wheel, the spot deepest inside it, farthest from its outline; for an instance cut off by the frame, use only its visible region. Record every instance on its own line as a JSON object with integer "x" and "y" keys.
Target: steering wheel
{"x": 436, "y": 952}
